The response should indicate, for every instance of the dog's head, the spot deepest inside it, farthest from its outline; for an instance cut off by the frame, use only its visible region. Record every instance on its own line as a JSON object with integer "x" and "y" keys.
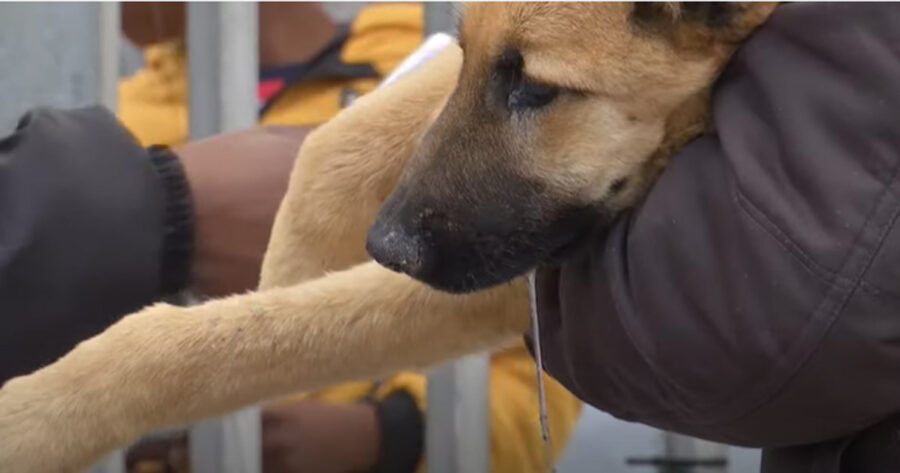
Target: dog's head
{"x": 562, "y": 115}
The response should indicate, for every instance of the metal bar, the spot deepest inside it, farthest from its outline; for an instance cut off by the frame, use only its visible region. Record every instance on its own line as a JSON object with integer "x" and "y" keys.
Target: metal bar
{"x": 457, "y": 421}
{"x": 37, "y": 37}
{"x": 223, "y": 68}
{"x": 229, "y": 444}
{"x": 222, "y": 50}
{"x": 113, "y": 463}
{"x": 440, "y": 17}
{"x": 203, "y": 69}
{"x": 744, "y": 460}
{"x": 709, "y": 457}
{"x": 109, "y": 33}
{"x": 239, "y": 64}
{"x": 440, "y": 420}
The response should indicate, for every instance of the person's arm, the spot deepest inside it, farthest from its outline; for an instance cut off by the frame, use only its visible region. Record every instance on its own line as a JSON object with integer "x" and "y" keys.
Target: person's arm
{"x": 387, "y": 433}
{"x": 516, "y": 444}
{"x": 718, "y": 306}
{"x": 237, "y": 181}
{"x": 93, "y": 226}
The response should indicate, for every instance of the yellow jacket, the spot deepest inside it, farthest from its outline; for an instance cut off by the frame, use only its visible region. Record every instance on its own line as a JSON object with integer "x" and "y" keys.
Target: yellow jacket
{"x": 152, "y": 104}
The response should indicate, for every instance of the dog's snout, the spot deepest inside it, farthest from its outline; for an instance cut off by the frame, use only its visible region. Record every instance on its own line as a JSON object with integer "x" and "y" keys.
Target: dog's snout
{"x": 396, "y": 248}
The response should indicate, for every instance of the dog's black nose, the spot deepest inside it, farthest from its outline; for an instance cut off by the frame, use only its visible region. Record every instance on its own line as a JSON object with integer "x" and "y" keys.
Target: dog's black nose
{"x": 395, "y": 248}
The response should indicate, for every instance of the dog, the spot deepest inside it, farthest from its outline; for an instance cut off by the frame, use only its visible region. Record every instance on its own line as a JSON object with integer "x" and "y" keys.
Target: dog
{"x": 498, "y": 156}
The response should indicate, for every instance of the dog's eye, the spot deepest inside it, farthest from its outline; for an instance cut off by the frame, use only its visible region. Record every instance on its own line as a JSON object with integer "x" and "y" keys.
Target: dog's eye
{"x": 530, "y": 94}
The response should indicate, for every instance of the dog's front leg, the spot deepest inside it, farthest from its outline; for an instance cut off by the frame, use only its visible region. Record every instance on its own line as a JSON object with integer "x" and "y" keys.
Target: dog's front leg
{"x": 167, "y": 365}
{"x": 345, "y": 170}
{"x": 172, "y": 365}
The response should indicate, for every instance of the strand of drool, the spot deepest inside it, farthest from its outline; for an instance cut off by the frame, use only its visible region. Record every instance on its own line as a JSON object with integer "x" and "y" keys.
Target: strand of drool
{"x": 542, "y": 396}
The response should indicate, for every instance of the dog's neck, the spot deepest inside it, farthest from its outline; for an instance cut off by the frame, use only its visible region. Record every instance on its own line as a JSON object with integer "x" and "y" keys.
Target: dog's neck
{"x": 688, "y": 121}
{"x": 693, "y": 117}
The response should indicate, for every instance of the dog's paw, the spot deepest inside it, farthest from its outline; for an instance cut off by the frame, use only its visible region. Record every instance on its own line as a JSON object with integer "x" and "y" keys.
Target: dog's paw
{"x": 25, "y": 444}
{"x": 39, "y": 432}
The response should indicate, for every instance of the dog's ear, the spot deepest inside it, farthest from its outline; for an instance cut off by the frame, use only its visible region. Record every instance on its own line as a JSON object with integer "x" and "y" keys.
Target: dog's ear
{"x": 712, "y": 14}
{"x": 654, "y": 15}
{"x": 693, "y": 23}
{"x": 728, "y": 21}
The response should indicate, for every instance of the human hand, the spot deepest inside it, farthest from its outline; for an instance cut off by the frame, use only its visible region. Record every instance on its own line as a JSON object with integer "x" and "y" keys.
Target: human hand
{"x": 160, "y": 454}
{"x": 321, "y": 437}
{"x": 237, "y": 181}
{"x": 297, "y": 437}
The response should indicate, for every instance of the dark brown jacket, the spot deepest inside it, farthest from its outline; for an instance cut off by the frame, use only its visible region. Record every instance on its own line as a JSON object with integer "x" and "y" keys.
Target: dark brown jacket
{"x": 754, "y": 297}
{"x": 92, "y": 226}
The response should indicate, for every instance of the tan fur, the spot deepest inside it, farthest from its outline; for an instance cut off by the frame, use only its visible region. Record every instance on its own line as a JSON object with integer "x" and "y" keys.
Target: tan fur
{"x": 324, "y": 314}
{"x": 644, "y": 90}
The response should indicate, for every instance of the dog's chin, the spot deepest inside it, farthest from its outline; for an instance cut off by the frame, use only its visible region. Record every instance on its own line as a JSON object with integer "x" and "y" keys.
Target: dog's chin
{"x": 459, "y": 287}
{"x": 567, "y": 250}
{"x": 476, "y": 279}
{"x": 498, "y": 271}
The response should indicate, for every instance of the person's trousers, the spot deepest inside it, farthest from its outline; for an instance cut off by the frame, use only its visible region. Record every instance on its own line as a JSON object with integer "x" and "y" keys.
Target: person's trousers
{"x": 874, "y": 450}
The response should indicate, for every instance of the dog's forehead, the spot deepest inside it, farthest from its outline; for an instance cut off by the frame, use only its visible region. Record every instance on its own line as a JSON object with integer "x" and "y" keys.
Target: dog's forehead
{"x": 542, "y": 25}
{"x": 563, "y": 43}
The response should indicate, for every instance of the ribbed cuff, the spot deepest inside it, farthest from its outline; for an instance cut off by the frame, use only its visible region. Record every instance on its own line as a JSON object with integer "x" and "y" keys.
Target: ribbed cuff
{"x": 178, "y": 233}
{"x": 402, "y": 429}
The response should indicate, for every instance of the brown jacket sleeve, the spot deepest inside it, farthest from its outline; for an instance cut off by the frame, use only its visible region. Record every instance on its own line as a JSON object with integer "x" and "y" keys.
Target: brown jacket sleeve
{"x": 754, "y": 297}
